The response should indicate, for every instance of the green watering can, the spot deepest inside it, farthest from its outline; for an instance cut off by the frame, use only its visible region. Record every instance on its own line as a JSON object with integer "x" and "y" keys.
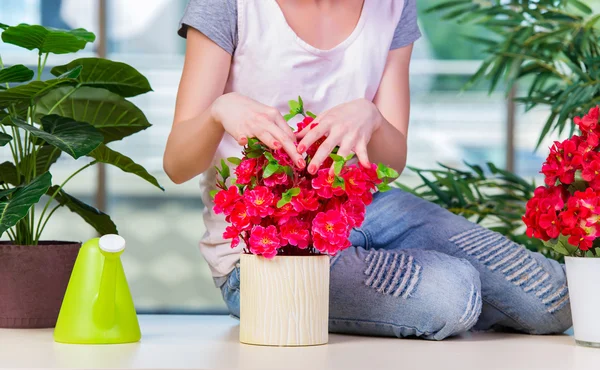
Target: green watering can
{"x": 98, "y": 308}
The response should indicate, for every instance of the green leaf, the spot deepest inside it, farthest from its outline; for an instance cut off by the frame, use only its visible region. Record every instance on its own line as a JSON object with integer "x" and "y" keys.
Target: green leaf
{"x": 212, "y": 193}
{"x": 581, "y": 6}
{"x": 30, "y": 91}
{"x": 74, "y": 138}
{"x": 254, "y": 154}
{"x": 4, "y": 139}
{"x": 294, "y": 191}
{"x": 311, "y": 114}
{"x": 287, "y": 197}
{"x": 597, "y": 250}
{"x": 289, "y": 116}
{"x": 383, "y": 187}
{"x": 44, "y": 158}
{"x": 97, "y": 219}
{"x": 337, "y": 167}
{"x": 336, "y": 157}
{"x": 106, "y": 155}
{"x": 8, "y": 173}
{"x": 47, "y": 40}
{"x": 589, "y": 254}
{"x": 120, "y": 78}
{"x": 110, "y": 113}
{"x": 294, "y": 106}
{"x": 16, "y": 73}
{"x": 73, "y": 73}
{"x": 270, "y": 170}
{"x": 338, "y": 182}
{"x": 7, "y": 192}
{"x": 17, "y": 207}
{"x": 234, "y": 160}
{"x": 224, "y": 170}
{"x": 4, "y": 26}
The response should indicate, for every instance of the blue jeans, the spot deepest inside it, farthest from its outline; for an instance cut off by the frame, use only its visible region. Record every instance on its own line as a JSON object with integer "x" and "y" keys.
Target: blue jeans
{"x": 417, "y": 270}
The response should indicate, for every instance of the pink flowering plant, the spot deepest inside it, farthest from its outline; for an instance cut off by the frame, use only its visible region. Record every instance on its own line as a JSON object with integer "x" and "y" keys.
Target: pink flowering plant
{"x": 275, "y": 208}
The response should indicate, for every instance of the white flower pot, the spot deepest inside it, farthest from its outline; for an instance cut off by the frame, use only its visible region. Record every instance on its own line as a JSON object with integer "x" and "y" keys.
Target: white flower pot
{"x": 284, "y": 301}
{"x": 583, "y": 276}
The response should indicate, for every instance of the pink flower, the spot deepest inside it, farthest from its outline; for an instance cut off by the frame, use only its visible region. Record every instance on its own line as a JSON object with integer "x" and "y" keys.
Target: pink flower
{"x": 324, "y": 245}
{"x": 355, "y": 182}
{"x": 276, "y": 179}
{"x": 259, "y": 201}
{"x": 305, "y": 201}
{"x": 295, "y": 232}
{"x": 285, "y": 213}
{"x": 323, "y": 184}
{"x": 240, "y": 218}
{"x": 330, "y": 225}
{"x": 233, "y": 234}
{"x": 354, "y": 211}
{"x": 305, "y": 122}
{"x": 246, "y": 170}
{"x": 264, "y": 241}
{"x": 282, "y": 157}
{"x": 225, "y": 200}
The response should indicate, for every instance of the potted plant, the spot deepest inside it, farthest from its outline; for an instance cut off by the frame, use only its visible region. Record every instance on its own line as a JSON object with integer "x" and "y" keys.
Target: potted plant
{"x": 78, "y": 112}
{"x": 290, "y": 221}
{"x": 565, "y": 213}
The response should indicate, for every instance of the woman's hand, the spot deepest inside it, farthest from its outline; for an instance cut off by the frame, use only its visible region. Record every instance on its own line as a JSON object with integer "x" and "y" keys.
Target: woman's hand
{"x": 244, "y": 118}
{"x": 349, "y": 125}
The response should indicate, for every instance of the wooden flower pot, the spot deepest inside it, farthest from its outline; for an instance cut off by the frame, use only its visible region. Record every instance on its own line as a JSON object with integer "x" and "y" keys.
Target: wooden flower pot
{"x": 284, "y": 301}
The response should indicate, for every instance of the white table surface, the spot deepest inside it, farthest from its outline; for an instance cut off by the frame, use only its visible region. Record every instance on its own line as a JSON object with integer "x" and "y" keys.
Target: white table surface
{"x": 211, "y": 342}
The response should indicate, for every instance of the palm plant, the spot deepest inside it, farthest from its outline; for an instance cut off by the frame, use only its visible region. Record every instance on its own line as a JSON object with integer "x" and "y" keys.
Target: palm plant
{"x": 550, "y": 47}
{"x": 78, "y": 112}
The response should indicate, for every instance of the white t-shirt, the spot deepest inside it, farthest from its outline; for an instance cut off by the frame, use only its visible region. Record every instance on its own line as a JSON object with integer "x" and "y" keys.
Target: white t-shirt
{"x": 272, "y": 65}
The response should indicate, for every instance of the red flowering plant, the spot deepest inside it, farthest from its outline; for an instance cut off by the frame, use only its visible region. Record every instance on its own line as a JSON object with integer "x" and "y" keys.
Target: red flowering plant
{"x": 565, "y": 213}
{"x": 275, "y": 208}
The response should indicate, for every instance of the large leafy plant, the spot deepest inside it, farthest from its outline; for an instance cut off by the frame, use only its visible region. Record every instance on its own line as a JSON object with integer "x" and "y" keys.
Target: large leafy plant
{"x": 550, "y": 47}
{"x": 77, "y": 112}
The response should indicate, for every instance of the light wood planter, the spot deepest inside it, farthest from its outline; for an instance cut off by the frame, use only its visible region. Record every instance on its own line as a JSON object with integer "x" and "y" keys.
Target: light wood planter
{"x": 284, "y": 301}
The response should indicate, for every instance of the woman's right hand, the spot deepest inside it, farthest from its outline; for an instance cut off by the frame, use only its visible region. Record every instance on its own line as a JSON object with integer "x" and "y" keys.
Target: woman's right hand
{"x": 244, "y": 118}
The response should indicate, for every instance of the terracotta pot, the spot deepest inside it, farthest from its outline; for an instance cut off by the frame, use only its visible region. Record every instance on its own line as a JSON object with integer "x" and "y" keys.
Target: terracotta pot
{"x": 33, "y": 280}
{"x": 284, "y": 301}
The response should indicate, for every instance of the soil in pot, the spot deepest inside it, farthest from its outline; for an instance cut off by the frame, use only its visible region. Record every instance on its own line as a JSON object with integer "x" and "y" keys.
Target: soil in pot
{"x": 33, "y": 281}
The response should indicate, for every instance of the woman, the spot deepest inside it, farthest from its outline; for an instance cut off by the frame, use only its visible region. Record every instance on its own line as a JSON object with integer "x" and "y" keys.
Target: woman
{"x": 414, "y": 269}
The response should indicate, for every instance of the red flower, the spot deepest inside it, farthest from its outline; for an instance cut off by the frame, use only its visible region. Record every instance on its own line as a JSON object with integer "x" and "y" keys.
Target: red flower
{"x": 264, "y": 241}
{"x": 285, "y": 213}
{"x": 323, "y": 184}
{"x": 296, "y": 233}
{"x": 563, "y": 161}
{"x": 233, "y": 234}
{"x": 225, "y": 200}
{"x": 591, "y": 173}
{"x": 589, "y": 122}
{"x": 331, "y": 225}
{"x": 259, "y": 201}
{"x": 305, "y": 201}
{"x": 355, "y": 182}
{"x": 276, "y": 179}
{"x": 246, "y": 170}
{"x": 282, "y": 157}
{"x": 305, "y": 122}
{"x": 354, "y": 211}
{"x": 324, "y": 245}
{"x": 240, "y": 218}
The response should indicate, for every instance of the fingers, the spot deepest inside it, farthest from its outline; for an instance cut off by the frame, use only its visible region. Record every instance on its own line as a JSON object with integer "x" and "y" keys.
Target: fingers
{"x": 344, "y": 151}
{"x": 282, "y": 141}
{"x": 266, "y": 138}
{"x": 322, "y": 153}
{"x": 362, "y": 154}
{"x": 281, "y": 123}
{"x": 318, "y": 119}
{"x": 311, "y": 137}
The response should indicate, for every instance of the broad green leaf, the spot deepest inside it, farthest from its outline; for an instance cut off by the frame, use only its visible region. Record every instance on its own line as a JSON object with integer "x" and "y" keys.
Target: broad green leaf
{"x": 110, "y": 113}
{"x": 30, "y": 91}
{"x": 338, "y": 182}
{"x": 294, "y": 191}
{"x": 225, "y": 169}
{"x": 270, "y": 170}
{"x": 597, "y": 250}
{"x": 8, "y": 173}
{"x": 234, "y": 160}
{"x": 46, "y": 156}
{"x": 581, "y": 6}
{"x": 14, "y": 209}
{"x": 294, "y": 106}
{"x": 16, "y": 73}
{"x": 106, "y": 155}
{"x": 73, "y": 73}
{"x": 120, "y": 78}
{"x": 74, "y": 138}
{"x": 97, "y": 219}
{"x": 383, "y": 187}
{"x": 213, "y": 193}
{"x": 4, "y": 139}
{"x": 337, "y": 167}
{"x": 336, "y": 157}
{"x": 6, "y": 192}
{"x": 47, "y": 40}
{"x": 311, "y": 114}
{"x": 4, "y": 26}
{"x": 289, "y": 116}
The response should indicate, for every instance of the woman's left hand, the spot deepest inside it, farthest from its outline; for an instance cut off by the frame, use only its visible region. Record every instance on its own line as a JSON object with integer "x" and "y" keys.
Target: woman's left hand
{"x": 349, "y": 126}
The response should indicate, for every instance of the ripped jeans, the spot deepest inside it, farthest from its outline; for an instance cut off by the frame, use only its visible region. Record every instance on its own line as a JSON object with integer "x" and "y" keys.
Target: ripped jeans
{"x": 417, "y": 270}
